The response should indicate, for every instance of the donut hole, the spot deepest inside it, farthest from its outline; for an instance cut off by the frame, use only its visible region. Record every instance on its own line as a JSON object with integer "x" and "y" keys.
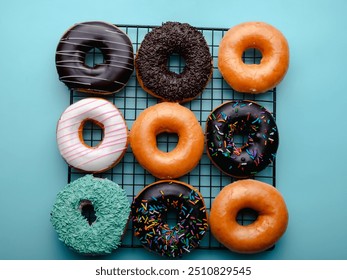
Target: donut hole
{"x": 170, "y": 218}
{"x": 92, "y": 133}
{"x": 94, "y": 57}
{"x": 240, "y": 139}
{"x": 166, "y": 142}
{"x": 252, "y": 56}
{"x": 87, "y": 211}
{"x": 176, "y": 63}
{"x": 240, "y": 136}
{"x": 246, "y": 216}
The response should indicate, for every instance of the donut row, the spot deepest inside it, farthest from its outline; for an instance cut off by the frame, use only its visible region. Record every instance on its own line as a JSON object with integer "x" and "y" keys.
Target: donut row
{"x": 152, "y": 58}
{"x": 227, "y": 120}
{"x": 102, "y": 232}
{"x": 148, "y": 212}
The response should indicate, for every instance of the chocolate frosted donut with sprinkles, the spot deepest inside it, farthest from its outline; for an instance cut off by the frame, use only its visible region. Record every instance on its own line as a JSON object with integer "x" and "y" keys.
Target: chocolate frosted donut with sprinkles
{"x": 249, "y": 121}
{"x": 149, "y": 216}
{"x": 104, "y": 78}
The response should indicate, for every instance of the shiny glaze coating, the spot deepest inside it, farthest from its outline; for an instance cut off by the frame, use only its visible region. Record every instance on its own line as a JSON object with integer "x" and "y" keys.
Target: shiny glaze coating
{"x": 253, "y": 78}
{"x": 245, "y": 118}
{"x": 170, "y": 118}
{"x": 264, "y": 232}
{"x": 152, "y": 59}
{"x": 104, "y": 78}
{"x": 149, "y": 216}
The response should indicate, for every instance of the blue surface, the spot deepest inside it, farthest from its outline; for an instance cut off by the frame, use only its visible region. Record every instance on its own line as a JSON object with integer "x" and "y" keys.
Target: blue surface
{"x": 310, "y": 114}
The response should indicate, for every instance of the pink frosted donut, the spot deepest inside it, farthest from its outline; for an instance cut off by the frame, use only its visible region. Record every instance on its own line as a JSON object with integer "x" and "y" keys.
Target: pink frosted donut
{"x": 70, "y": 135}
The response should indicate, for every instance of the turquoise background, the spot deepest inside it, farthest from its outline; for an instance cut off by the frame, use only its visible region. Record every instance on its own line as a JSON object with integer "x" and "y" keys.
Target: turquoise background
{"x": 311, "y": 106}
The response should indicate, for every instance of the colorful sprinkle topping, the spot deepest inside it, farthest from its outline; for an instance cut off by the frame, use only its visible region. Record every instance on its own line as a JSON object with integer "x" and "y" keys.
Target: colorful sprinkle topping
{"x": 242, "y": 138}
{"x": 149, "y": 217}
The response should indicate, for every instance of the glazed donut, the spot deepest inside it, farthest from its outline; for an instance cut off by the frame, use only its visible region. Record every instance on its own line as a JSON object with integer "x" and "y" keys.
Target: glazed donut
{"x": 152, "y": 57}
{"x": 149, "y": 216}
{"x": 96, "y": 235}
{"x": 171, "y": 118}
{"x": 70, "y": 135}
{"x": 253, "y": 78}
{"x": 104, "y": 78}
{"x": 245, "y": 118}
{"x": 264, "y": 232}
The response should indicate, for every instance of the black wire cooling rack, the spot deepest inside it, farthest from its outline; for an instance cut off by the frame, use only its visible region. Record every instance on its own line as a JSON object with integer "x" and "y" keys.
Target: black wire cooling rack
{"x": 132, "y": 100}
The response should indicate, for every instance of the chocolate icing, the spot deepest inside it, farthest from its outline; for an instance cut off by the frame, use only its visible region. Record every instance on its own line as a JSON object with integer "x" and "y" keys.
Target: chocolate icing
{"x": 149, "y": 210}
{"x": 105, "y": 78}
{"x": 153, "y": 54}
{"x": 245, "y": 118}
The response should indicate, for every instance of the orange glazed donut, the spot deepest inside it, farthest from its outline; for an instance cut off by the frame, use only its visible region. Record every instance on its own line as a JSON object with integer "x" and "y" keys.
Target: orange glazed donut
{"x": 253, "y": 78}
{"x": 171, "y": 118}
{"x": 264, "y": 232}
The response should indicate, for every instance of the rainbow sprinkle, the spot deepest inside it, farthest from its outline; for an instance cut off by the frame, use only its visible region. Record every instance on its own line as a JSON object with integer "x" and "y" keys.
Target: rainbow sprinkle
{"x": 150, "y": 218}
{"x": 255, "y": 124}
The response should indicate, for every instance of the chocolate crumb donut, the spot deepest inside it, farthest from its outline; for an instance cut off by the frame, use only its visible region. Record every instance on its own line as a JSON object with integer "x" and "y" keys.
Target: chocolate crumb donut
{"x": 152, "y": 58}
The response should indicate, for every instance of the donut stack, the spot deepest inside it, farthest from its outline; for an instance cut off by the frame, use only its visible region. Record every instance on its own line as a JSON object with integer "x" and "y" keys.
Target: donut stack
{"x": 150, "y": 208}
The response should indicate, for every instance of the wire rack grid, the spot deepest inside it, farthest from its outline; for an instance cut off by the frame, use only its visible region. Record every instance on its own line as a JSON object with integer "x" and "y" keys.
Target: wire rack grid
{"x": 132, "y": 100}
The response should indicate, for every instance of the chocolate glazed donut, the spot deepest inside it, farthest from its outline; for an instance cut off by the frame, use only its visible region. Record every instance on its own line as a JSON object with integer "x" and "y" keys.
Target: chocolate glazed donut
{"x": 152, "y": 56}
{"x": 245, "y": 118}
{"x": 149, "y": 214}
{"x": 104, "y": 78}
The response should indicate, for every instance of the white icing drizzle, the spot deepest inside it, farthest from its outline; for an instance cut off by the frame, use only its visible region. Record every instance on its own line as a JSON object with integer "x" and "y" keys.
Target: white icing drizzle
{"x": 93, "y": 40}
{"x": 110, "y": 65}
{"x": 112, "y": 146}
{"x": 81, "y": 57}
{"x": 97, "y": 40}
{"x": 102, "y": 27}
{"x": 94, "y": 78}
{"x": 119, "y": 33}
{"x": 78, "y": 82}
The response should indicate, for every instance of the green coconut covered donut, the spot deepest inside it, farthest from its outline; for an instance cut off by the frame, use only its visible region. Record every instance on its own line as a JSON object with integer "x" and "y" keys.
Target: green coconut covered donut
{"x": 90, "y": 215}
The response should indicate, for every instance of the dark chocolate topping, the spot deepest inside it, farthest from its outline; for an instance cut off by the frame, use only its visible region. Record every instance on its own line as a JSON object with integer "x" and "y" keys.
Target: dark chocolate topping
{"x": 107, "y": 77}
{"x": 149, "y": 210}
{"x": 245, "y": 118}
{"x": 153, "y": 54}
